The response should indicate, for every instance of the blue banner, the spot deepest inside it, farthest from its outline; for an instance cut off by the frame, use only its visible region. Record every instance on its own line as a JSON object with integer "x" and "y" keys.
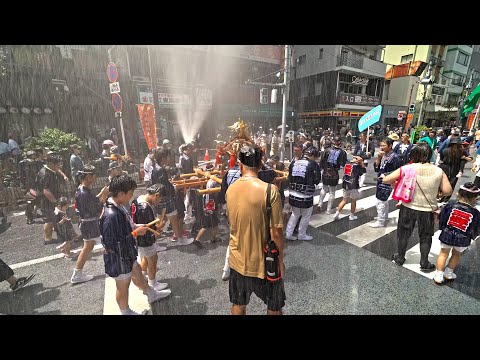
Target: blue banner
{"x": 370, "y": 118}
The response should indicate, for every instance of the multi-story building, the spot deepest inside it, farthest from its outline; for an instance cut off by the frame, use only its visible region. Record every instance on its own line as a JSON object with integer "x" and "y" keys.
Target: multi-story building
{"x": 62, "y": 86}
{"x": 201, "y": 88}
{"x": 455, "y": 73}
{"x": 66, "y": 86}
{"x": 474, "y": 69}
{"x": 334, "y": 85}
{"x": 449, "y": 72}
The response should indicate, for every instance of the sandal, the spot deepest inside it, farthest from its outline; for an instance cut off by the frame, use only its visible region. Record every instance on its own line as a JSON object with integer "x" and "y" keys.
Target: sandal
{"x": 21, "y": 282}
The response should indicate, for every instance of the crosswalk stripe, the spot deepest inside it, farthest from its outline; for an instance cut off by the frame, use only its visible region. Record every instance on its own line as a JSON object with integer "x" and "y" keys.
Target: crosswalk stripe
{"x": 364, "y": 234}
{"x": 321, "y": 219}
{"x": 412, "y": 256}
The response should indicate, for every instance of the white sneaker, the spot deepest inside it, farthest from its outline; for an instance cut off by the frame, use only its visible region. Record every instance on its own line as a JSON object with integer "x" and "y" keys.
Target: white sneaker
{"x": 186, "y": 241}
{"x": 377, "y": 224}
{"x": 157, "y": 295}
{"x": 438, "y": 278}
{"x": 460, "y": 174}
{"x": 131, "y": 312}
{"x": 449, "y": 274}
{"x": 79, "y": 277}
{"x": 160, "y": 248}
{"x": 160, "y": 286}
{"x": 329, "y": 211}
{"x": 226, "y": 275}
{"x": 305, "y": 238}
{"x": 188, "y": 220}
{"x": 337, "y": 216}
{"x": 352, "y": 217}
{"x": 290, "y": 237}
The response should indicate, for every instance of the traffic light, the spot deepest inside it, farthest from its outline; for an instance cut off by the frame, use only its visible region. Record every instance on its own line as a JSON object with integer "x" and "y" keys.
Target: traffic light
{"x": 263, "y": 96}
{"x": 411, "y": 109}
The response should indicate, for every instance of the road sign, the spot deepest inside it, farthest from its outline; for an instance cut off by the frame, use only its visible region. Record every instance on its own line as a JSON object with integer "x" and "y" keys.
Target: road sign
{"x": 400, "y": 116}
{"x": 117, "y": 102}
{"x": 114, "y": 87}
{"x": 112, "y": 72}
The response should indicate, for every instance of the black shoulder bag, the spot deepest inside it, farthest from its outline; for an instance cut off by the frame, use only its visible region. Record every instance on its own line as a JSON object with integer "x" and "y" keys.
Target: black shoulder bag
{"x": 272, "y": 266}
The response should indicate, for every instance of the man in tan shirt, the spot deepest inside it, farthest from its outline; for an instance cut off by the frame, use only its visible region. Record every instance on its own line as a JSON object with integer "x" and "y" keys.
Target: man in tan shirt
{"x": 246, "y": 211}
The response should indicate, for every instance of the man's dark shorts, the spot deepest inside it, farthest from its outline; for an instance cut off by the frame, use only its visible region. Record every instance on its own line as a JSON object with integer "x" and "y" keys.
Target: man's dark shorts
{"x": 48, "y": 209}
{"x": 241, "y": 288}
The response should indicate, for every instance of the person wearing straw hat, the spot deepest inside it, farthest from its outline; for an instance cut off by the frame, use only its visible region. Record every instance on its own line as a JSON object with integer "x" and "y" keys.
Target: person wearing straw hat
{"x": 395, "y": 138}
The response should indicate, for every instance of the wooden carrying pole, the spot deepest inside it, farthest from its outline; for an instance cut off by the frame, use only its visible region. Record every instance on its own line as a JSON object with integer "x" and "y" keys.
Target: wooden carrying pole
{"x": 182, "y": 176}
{"x": 198, "y": 183}
{"x": 209, "y": 191}
{"x": 208, "y": 175}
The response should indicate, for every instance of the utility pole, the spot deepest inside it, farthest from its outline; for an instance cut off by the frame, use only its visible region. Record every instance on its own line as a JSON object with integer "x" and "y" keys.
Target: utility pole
{"x": 285, "y": 87}
{"x": 286, "y": 79}
{"x": 425, "y": 81}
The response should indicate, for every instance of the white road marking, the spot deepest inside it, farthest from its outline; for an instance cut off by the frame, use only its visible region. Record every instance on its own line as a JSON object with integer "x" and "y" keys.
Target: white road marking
{"x": 323, "y": 218}
{"x": 49, "y": 258}
{"x": 364, "y": 234}
{"x": 18, "y": 213}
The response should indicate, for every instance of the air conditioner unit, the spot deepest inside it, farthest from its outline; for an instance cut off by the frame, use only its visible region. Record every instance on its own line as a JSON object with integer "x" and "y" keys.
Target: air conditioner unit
{"x": 141, "y": 78}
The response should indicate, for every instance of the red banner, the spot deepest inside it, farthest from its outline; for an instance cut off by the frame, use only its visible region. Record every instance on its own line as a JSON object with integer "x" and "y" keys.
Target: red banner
{"x": 470, "y": 121}
{"x": 147, "y": 119}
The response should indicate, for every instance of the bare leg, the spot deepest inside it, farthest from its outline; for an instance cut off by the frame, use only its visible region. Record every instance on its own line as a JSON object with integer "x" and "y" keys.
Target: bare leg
{"x": 214, "y": 233}
{"x": 454, "y": 260}
{"x": 353, "y": 206}
{"x": 152, "y": 266}
{"x": 122, "y": 293}
{"x": 442, "y": 259}
{"x": 48, "y": 230}
{"x": 86, "y": 250}
{"x": 272, "y": 312}
{"x": 12, "y": 280}
{"x": 238, "y": 310}
{"x": 144, "y": 264}
{"x": 342, "y": 204}
{"x": 138, "y": 278}
{"x": 200, "y": 234}
{"x": 68, "y": 247}
{"x": 177, "y": 225}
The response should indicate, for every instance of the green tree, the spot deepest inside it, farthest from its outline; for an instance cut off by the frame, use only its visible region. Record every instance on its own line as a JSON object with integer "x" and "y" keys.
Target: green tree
{"x": 57, "y": 141}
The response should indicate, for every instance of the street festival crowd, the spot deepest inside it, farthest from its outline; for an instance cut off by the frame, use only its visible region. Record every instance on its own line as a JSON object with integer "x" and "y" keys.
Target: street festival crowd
{"x": 246, "y": 185}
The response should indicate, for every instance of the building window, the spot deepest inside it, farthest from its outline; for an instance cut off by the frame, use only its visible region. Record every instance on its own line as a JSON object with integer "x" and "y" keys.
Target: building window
{"x": 302, "y": 59}
{"x": 462, "y": 58}
{"x": 318, "y": 88}
{"x": 387, "y": 89}
{"x": 320, "y": 54}
{"x": 452, "y": 100}
{"x": 458, "y": 80}
{"x": 406, "y": 58}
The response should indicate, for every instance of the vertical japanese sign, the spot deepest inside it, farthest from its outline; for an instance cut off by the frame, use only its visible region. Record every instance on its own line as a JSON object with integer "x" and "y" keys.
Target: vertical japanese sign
{"x": 147, "y": 120}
